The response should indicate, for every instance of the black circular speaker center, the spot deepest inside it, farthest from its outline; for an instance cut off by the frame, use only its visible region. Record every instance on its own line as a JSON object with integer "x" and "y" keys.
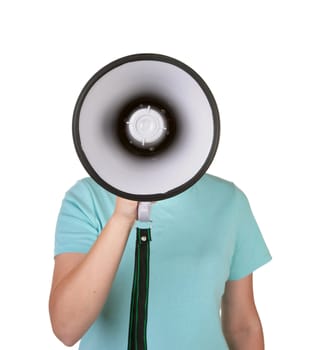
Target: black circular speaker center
{"x": 146, "y": 127}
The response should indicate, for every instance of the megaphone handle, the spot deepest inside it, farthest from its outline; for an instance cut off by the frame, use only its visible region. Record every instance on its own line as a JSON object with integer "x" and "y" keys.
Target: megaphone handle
{"x": 144, "y": 211}
{"x": 140, "y": 289}
{"x": 137, "y": 339}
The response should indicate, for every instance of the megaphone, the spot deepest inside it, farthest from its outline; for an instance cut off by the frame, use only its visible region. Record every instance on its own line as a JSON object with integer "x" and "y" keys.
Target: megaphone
{"x": 146, "y": 127}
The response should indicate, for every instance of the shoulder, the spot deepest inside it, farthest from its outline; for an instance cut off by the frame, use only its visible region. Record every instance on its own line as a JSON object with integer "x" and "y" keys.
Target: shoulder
{"x": 222, "y": 185}
{"x": 218, "y": 182}
{"x": 87, "y": 193}
{"x": 87, "y": 199}
{"x": 85, "y": 184}
{"x": 217, "y": 186}
{"x": 218, "y": 192}
{"x": 86, "y": 187}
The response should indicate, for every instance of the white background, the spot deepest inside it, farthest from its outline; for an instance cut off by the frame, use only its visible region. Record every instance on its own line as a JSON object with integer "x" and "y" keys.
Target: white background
{"x": 254, "y": 57}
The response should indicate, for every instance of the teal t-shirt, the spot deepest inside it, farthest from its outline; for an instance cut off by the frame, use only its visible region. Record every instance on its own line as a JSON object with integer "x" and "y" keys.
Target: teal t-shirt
{"x": 201, "y": 238}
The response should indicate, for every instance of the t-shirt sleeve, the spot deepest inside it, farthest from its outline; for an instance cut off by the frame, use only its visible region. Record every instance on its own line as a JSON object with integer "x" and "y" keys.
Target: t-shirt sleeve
{"x": 250, "y": 251}
{"x": 76, "y": 228}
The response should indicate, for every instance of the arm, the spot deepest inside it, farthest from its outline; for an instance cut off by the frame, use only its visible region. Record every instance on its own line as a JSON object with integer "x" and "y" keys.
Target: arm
{"x": 240, "y": 321}
{"x": 77, "y": 294}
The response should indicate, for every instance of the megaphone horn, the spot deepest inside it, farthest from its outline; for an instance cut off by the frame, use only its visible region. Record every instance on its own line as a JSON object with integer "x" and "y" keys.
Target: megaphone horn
{"x": 144, "y": 118}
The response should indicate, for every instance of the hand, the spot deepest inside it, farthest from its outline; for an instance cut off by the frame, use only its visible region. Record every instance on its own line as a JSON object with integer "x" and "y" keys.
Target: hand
{"x": 126, "y": 209}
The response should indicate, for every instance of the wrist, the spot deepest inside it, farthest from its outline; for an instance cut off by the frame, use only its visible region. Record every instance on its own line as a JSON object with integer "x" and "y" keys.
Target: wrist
{"x": 123, "y": 219}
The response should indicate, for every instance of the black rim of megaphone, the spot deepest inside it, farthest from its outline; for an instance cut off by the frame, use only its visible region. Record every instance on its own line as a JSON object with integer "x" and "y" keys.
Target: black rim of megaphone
{"x": 115, "y": 64}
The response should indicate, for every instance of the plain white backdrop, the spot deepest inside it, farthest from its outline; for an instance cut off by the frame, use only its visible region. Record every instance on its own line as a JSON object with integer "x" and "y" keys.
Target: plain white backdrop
{"x": 254, "y": 57}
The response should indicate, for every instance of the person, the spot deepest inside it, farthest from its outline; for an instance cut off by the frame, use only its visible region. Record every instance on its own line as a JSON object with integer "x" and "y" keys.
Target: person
{"x": 205, "y": 246}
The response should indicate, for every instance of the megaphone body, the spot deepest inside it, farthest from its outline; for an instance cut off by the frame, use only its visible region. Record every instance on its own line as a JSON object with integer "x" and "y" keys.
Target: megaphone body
{"x": 146, "y": 127}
